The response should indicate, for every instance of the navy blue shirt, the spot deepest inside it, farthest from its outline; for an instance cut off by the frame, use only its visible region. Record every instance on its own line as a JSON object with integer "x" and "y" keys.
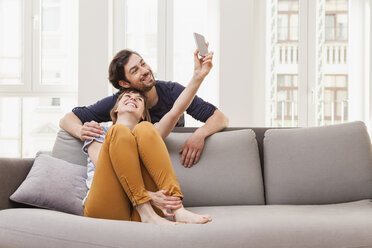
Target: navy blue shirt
{"x": 168, "y": 92}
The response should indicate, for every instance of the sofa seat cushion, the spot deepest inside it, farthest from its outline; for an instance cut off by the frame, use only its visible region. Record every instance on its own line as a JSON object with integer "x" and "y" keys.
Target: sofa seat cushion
{"x": 318, "y": 165}
{"x": 335, "y": 225}
{"x": 228, "y": 172}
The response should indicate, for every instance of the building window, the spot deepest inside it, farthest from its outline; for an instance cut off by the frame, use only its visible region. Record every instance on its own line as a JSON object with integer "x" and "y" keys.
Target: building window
{"x": 287, "y": 93}
{"x": 287, "y": 20}
{"x": 335, "y": 99}
{"x": 336, "y": 20}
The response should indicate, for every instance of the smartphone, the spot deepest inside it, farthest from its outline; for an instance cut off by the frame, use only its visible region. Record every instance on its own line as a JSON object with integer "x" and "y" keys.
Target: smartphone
{"x": 200, "y": 43}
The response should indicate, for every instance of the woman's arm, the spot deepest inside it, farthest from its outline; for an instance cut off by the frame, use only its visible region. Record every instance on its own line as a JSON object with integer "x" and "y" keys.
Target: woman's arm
{"x": 201, "y": 69}
{"x": 93, "y": 151}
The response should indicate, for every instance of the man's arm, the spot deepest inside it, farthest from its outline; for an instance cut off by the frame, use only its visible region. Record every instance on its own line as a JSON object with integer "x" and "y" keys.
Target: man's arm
{"x": 73, "y": 125}
{"x": 194, "y": 145}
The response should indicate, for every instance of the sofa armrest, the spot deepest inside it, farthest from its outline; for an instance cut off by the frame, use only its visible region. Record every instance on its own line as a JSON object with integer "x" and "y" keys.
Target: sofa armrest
{"x": 12, "y": 173}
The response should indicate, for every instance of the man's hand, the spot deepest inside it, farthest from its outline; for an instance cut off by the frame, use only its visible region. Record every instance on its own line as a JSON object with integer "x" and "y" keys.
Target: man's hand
{"x": 192, "y": 149}
{"x": 164, "y": 202}
{"x": 90, "y": 130}
{"x": 202, "y": 65}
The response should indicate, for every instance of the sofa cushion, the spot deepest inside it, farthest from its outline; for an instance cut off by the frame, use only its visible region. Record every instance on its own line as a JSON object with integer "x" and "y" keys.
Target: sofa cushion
{"x": 68, "y": 148}
{"x": 331, "y": 226}
{"x": 53, "y": 184}
{"x": 318, "y": 165}
{"x": 228, "y": 171}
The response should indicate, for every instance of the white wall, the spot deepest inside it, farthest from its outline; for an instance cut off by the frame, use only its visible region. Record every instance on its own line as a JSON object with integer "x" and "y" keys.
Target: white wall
{"x": 93, "y": 51}
{"x": 242, "y": 79}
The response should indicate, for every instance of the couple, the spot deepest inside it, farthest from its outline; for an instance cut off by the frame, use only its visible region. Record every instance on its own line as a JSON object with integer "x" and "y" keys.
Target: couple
{"x": 133, "y": 170}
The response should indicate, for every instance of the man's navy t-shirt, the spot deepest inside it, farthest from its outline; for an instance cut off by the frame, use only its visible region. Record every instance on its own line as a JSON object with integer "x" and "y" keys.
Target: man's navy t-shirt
{"x": 168, "y": 92}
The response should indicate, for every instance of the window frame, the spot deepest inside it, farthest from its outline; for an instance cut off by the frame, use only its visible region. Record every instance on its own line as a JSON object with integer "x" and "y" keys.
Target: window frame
{"x": 31, "y": 73}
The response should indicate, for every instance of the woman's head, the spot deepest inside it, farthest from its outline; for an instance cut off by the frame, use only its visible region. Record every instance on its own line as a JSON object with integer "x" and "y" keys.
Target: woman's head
{"x": 131, "y": 100}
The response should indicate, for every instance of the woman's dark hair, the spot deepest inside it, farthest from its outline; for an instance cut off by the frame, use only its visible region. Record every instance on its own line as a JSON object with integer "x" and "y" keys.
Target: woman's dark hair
{"x": 146, "y": 113}
{"x": 116, "y": 68}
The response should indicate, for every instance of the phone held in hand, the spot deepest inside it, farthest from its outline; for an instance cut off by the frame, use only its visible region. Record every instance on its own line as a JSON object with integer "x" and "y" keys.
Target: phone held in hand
{"x": 200, "y": 43}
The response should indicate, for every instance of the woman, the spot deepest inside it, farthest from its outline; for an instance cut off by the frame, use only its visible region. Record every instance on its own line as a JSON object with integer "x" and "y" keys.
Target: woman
{"x": 133, "y": 169}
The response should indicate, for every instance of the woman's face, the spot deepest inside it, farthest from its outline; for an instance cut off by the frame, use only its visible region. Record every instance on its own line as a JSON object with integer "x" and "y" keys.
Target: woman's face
{"x": 132, "y": 102}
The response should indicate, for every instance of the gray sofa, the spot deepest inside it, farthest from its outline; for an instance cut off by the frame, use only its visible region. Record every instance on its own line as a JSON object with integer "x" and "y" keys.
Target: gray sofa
{"x": 305, "y": 187}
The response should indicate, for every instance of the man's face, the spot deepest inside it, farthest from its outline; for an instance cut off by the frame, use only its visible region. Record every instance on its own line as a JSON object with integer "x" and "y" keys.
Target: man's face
{"x": 139, "y": 74}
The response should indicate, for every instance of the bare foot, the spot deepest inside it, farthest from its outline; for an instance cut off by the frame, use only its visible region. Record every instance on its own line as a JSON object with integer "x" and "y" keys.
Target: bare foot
{"x": 157, "y": 220}
{"x": 184, "y": 216}
{"x": 148, "y": 215}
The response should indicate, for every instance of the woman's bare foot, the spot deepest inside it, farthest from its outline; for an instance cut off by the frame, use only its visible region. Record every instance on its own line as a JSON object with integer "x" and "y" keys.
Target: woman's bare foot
{"x": 157, "y": 220}
{"x": 148, "y": 215}
{"x": 184, "y": 216}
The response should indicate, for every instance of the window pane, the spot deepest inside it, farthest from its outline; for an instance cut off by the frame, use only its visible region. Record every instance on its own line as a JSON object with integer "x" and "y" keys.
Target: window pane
{"x": 141, "y": 29}
{"x": 293, "y": 27}
{"x": 282, "y": 27}
{"x": 342, "y": 26}
{"x": 59, "y": 42}
{"x": 288, "y": 5}
{"x": 199, "y": 15}
{"x": 332, "y": 67}
{"x": 11, "y": 52}
{"x": 41, "y": 116}
{"x": 336, "y": 5}
{"x": 30, "y": 124}
{"x": 10, "y": 131}
{"x": 284, "y": 71}
{"x": 330, "y": 27}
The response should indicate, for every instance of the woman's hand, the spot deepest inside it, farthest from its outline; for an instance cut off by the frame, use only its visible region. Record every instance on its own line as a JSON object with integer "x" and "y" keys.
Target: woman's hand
{"x": 163, "y": 201}
{"x": 202, "y": 65}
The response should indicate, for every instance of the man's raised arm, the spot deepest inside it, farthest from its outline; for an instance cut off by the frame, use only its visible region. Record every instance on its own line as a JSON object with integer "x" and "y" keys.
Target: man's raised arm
{"x": 73, "y": 125}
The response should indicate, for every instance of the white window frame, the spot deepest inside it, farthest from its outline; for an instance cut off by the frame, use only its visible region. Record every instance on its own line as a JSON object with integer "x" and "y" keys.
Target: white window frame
{"x": 165, "y": 35}
{"x": 31, "y": 73}
{"x": 307, "y": 74}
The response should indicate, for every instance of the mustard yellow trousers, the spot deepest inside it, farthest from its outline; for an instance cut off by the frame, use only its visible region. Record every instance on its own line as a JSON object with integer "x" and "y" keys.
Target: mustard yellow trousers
{"x": 129, "y": 164}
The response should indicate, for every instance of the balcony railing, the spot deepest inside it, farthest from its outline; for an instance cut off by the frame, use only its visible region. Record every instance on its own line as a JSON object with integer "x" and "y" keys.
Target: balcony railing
{"x": 287, "y": 53}
{"x": 334, "y": 53}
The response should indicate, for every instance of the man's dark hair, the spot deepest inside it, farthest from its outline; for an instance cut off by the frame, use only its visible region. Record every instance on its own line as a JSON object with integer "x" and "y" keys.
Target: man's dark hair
{"x": 116, "y": 68}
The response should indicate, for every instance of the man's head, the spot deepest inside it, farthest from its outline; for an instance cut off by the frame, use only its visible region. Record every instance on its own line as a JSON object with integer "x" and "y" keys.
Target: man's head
{"x": 129, "y": 70}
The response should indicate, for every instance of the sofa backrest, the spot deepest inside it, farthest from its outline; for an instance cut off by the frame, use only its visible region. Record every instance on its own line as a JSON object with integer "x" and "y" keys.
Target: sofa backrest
{"x": 229, "y": 171}
{"x": 318, "y": 165}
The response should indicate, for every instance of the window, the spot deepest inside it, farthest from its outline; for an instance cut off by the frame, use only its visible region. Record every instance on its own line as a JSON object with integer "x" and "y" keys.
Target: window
{"x": 287, "y": 92}
{"x": 335, "y": 99}
{"x": 38, "y": 72}
{"x": 336, "y": 20}
{"x": 158, "y": 31}
{"x": 287, "y": 20}
{"x": 11, "y": 47}
{"x": 142, "y": 29}
{"x": 284, "y": 70}
{"x": 310, "y": 78}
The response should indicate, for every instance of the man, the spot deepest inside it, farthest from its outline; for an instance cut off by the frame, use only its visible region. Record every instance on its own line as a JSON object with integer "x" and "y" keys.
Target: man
{"x": 129, "y": 70}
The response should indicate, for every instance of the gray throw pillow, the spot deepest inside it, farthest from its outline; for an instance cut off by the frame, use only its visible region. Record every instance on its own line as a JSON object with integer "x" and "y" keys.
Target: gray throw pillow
{"x": 68, "y": 148}
{"x": 318, "y": 165}
{"x": 53, "y": 184}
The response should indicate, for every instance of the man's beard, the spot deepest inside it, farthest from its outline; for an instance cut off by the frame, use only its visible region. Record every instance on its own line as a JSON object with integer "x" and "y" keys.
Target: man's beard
{"x": 146, "y": 88}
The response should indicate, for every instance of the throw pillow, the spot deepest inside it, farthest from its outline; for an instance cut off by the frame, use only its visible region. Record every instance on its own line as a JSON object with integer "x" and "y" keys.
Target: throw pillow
{"x": 53, "y": 184}
{"x": 68, "y": 148}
